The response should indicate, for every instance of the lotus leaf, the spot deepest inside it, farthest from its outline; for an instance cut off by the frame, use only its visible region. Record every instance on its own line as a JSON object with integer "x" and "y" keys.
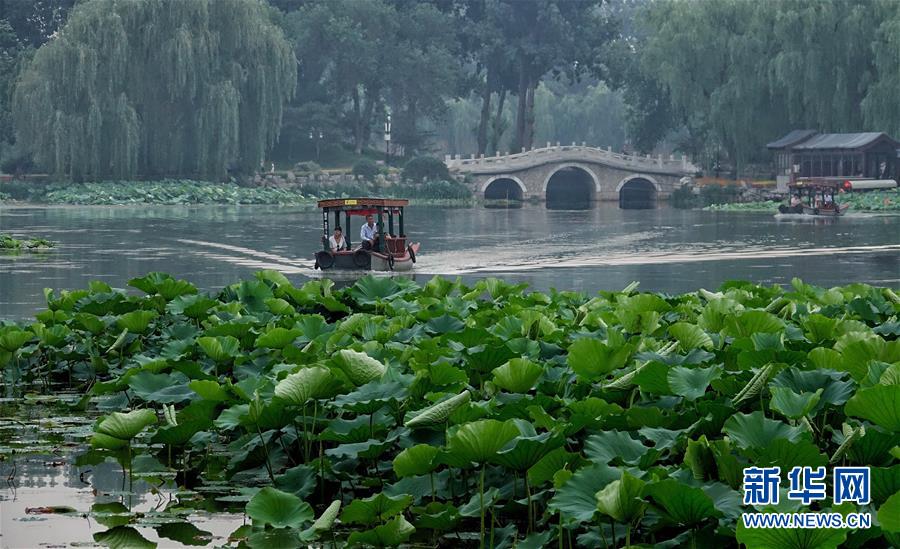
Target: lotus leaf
{"x": 271, "y": 507}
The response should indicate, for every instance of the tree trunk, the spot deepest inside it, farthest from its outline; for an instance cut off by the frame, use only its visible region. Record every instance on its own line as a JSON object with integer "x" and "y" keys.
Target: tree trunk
{"x": 371, "y": 95}
{"x": 521, "y": 108}
{"x": 528, "y": 137}
{"x": 497, "y": 129}
{"x": 485, "y": 115}
{"x": 357, "y": 122}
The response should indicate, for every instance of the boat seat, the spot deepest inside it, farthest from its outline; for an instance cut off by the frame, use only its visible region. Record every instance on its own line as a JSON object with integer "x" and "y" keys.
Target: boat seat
{"x": 395, "y": 244}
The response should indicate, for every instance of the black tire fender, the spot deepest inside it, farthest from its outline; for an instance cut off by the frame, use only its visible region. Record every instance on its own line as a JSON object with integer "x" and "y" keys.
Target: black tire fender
{"x": 361, "y": 259}
{"x": 390, "y": 261}
{"x": 324, "y": 260}
{"x": 412, "y": 253}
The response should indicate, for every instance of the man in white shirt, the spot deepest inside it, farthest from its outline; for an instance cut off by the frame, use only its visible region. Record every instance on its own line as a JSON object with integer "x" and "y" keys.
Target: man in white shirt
{"x": 368, "y": 233}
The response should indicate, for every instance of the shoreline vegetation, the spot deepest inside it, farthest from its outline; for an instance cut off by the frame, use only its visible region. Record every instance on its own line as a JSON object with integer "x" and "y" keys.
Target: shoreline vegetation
{"x": 414, "y": 412}
{"x": 8, "y": 243}
{"x": 867, "y": 202}
{"x": 191, "y": 192}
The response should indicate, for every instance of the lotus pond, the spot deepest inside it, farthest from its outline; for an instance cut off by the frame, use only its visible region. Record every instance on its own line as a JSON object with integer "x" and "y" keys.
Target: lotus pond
{"x": 389, "y": 413}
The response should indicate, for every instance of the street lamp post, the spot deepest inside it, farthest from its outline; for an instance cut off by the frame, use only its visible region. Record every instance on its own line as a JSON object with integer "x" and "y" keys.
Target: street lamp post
{"x": 316, "y": 135}
{"x": 387, "y": 139}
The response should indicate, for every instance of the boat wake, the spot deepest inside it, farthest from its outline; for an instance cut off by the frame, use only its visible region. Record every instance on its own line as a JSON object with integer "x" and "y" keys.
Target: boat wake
{"x": 545, "y": 253}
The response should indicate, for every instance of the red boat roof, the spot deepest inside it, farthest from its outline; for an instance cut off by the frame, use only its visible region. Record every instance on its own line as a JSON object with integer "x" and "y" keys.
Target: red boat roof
{"x": 362, "y": 203}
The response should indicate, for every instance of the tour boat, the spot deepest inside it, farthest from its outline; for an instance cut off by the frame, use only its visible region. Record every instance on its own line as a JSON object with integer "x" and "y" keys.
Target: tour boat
{"x": 390, "y": 251}
{"x": 816, "y": 198}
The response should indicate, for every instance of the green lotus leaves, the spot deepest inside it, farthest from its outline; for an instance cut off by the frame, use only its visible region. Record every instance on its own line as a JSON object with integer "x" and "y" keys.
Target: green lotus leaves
{"x": 430, "y": 408}
{"x": 518, "y": 375}
{"x": 681, "y": 504}
{"x": 390, "y": 534}
{"x": 576, "y": 499}
{"x": 749, "y": 322}
{"x": 622, "y": 499}
{"x": 525, "y": 450}
{"x": 418, "y": 460}
{"x": 757, "y": 431}
{"x": 307, "y": 384}
{"x": 117, "y": 429}
{"x": 439, "y": 413}
{"x": 163, "y": 388}
{"x": 209, "y": 390}
{"x": 607, "y": 446}
{"x": 790, "y": 538}
{"x": 793, "y": 405}
{"x": 591, "y": 358}
{"x": 12, "y": 338}
{"x": 277, "y": 338}
{"x": 220, "y": 348}
{"x": 479, "y": 441}
{"x": 164, "y": 285}
{"x": 690, "y": 336}
{"x": 374, "y": 509}
{"x": 360, "y": 368}
{"x": 193, "y": 306}
{"x": 136, "y": 322}
{"x": 889, "y": 514}
{"x": 691, "y": 383}
{"x": 879, "y": 404}
{"x": 272, "y": 507}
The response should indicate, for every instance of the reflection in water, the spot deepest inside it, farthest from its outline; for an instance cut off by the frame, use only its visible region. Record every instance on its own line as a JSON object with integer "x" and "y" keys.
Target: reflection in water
{"x": 601, "y": 248}
{"x": 45, "y": 466}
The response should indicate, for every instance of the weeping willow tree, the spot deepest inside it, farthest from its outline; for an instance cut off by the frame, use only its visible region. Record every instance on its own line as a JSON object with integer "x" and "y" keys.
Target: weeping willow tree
{"x": 156, "y": 87}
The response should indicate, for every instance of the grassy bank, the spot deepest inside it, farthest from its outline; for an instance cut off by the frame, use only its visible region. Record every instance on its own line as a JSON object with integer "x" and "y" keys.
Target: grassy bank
{"x": 7, "y": 242}
{"x": 172, "y": 192}
{"x": 875, "y": 201}
{"x": 445, "y": 414}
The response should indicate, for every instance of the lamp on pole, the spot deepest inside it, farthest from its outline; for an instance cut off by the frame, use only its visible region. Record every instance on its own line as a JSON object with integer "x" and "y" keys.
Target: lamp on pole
{"x": 317, "y": 135}
{"x": 387, "y": 138}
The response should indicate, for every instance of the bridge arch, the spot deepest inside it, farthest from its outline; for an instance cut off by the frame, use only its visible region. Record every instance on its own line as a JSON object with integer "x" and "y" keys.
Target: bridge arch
{"x": 571, "y": 186}
{"x": 638, "y": 192}
{"x": 504, "y": 186}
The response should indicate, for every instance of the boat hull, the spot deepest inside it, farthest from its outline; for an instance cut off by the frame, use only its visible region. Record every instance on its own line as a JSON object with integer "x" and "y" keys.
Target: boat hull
{"x": 830, "y": 212}
{"x": 366, "y": 260}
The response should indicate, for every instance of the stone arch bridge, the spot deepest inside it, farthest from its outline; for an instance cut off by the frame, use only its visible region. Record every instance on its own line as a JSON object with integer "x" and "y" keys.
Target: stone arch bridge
{"x": 576, "y": 175}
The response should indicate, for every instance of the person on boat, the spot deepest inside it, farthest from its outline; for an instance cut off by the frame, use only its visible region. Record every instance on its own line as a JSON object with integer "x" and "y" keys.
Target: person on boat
{"x": 795, "y": 205}
{"x": 336, "y": 241}
{"x": 368, "y": 233}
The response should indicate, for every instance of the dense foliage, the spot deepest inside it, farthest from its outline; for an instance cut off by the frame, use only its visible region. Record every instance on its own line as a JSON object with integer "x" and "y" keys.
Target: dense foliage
{"x": 7, "y": 242}
{"x": 387, "y": 412}
{"x": 425, "y": 168}
{"x": 366, "y": 169}
{"x": 768, "y": 67}
{"x": 202, "y": 93}
{"x": 872, "y": 201}
{"x": 178, "y": 191}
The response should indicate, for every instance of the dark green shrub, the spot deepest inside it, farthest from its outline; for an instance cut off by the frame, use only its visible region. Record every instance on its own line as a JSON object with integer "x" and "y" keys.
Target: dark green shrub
{"x": 684, "y": 197}
{"x": 307, "y": 167}
{"x": 366, "y": 169}
{"x": 425, "y": 168}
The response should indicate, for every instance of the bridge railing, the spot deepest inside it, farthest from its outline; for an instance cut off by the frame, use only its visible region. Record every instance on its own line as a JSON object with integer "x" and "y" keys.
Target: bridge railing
{"x": 563, "y": 152}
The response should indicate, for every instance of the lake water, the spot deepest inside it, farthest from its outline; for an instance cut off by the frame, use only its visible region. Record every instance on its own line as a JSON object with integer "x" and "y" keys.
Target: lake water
{"x": 604, "y": 248}
{"x": 43, "y": 458}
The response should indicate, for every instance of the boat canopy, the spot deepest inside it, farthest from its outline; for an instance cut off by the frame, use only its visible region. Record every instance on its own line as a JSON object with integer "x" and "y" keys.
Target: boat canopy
{"x": 378, "y": 207}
